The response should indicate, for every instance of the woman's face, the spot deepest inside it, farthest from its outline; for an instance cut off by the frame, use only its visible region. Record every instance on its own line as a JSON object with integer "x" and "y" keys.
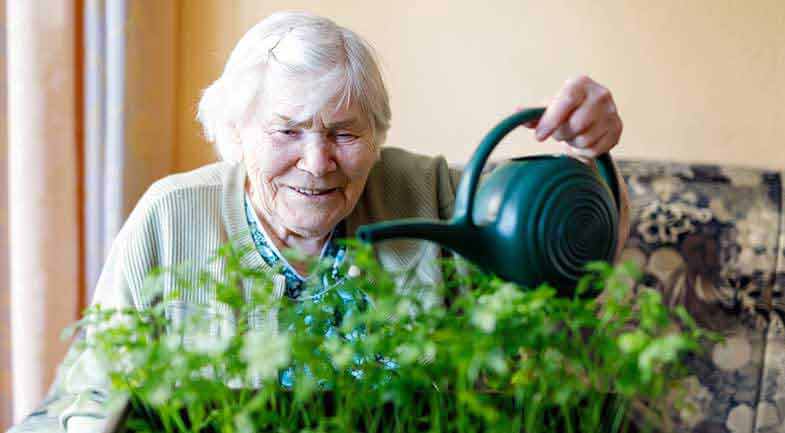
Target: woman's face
{"x": 305, "y": 177}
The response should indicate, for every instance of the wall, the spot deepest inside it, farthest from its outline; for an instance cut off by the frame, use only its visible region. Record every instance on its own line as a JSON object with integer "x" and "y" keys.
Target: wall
{"x": 694, "y": 81}
{"x": 150, "y": 95}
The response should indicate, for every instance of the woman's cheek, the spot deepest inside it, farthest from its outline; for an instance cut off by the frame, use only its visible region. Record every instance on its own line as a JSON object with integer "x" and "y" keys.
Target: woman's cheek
{"x": 357, "y": 160}
{"x": 270, "y": 158}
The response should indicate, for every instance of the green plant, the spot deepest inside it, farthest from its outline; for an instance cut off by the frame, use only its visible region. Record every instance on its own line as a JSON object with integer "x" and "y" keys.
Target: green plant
{"x": 473, "y": 353}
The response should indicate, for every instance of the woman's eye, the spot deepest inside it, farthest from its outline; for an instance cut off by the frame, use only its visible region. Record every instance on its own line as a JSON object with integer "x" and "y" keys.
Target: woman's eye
{"x": 344, "y": 137}
{"x": 284, "y": 132}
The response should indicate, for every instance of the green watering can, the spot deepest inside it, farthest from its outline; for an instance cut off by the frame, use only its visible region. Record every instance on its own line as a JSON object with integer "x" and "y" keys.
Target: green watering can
{"x": 537, "y": 219}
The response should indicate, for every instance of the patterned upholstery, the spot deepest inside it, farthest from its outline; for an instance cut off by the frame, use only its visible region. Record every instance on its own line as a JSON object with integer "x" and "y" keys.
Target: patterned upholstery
{"x": 711, "y": 238}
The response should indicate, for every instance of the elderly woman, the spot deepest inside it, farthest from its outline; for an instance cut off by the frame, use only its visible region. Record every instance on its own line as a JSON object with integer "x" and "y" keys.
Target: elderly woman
{"x": 299, "y": 117}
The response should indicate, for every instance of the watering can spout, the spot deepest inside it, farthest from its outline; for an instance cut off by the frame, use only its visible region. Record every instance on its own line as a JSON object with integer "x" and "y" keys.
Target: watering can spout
{"x": 414, "y": 228}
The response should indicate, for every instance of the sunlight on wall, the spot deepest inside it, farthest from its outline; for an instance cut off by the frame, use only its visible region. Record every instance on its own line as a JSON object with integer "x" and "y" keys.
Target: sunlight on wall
{"x": 694, "y": 81}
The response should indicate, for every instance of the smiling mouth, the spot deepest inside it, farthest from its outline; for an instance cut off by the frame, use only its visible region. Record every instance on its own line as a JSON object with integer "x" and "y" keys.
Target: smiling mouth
{"x": 314, "y": 192}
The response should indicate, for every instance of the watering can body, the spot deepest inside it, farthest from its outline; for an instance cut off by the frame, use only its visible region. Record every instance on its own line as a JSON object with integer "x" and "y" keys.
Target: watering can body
{"x": 533, "y": 220}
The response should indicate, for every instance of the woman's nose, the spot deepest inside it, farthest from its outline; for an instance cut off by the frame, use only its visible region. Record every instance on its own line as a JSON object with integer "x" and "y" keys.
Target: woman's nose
{"x": 317, "y": 158}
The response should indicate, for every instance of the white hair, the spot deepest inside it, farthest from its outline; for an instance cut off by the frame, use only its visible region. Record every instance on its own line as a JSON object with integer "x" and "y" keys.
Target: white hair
{"x": 296, "y": 44}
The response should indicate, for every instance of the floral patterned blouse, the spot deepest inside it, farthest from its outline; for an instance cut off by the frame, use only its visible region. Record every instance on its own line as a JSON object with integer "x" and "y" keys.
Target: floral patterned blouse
{"x": 295, "y": 283}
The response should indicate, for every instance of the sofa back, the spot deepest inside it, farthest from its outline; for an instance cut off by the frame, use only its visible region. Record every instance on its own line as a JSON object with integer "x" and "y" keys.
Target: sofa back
{"x": 711, "y": 238}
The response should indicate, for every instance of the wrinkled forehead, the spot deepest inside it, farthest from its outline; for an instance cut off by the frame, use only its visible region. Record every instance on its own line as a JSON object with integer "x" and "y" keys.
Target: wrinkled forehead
{"x": 304, "y": 98}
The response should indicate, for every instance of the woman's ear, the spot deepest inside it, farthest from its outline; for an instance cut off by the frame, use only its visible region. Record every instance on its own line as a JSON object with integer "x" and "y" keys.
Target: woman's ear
{"x": 234, "y": 131}
{"x": 236, "y": 139}
{"x": 378, "y": 142}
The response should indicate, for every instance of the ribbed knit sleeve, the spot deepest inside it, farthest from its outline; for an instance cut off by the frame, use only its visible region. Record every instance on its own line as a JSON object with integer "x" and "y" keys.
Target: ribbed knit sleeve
{"x": 178, "y": 219}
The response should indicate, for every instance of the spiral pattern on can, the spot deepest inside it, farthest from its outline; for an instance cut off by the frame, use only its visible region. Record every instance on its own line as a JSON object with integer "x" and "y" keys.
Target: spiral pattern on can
{"x": 575, "y": 225}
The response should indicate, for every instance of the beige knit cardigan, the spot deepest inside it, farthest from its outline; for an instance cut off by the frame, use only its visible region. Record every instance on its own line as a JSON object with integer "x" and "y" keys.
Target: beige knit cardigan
{"x": 186, "y": 217}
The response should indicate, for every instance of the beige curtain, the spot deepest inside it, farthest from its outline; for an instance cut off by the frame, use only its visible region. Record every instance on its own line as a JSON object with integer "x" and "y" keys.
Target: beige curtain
{"x": 129, "y": 69}
{"x": 5, "y": 299}
{"x": 50, "y": 117}
{"x": 43, "y": 215}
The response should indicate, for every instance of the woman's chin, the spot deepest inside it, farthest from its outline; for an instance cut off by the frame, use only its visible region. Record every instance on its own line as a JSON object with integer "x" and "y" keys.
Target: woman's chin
{"x": 314, "y": 217}
{"x": 313, "y": 228}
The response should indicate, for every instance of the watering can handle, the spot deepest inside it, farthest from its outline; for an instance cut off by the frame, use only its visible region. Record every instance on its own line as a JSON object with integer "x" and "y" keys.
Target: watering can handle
{"x": 464, "y": 201}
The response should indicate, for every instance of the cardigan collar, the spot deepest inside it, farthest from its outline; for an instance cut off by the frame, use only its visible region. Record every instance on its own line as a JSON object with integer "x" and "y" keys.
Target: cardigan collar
{"x": 233, "y": 209}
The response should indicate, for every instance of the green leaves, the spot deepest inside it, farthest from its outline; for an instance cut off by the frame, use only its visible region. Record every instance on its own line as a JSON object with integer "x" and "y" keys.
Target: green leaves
{"x": 265, "y": 352}
{"x": 473, "y": 353}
